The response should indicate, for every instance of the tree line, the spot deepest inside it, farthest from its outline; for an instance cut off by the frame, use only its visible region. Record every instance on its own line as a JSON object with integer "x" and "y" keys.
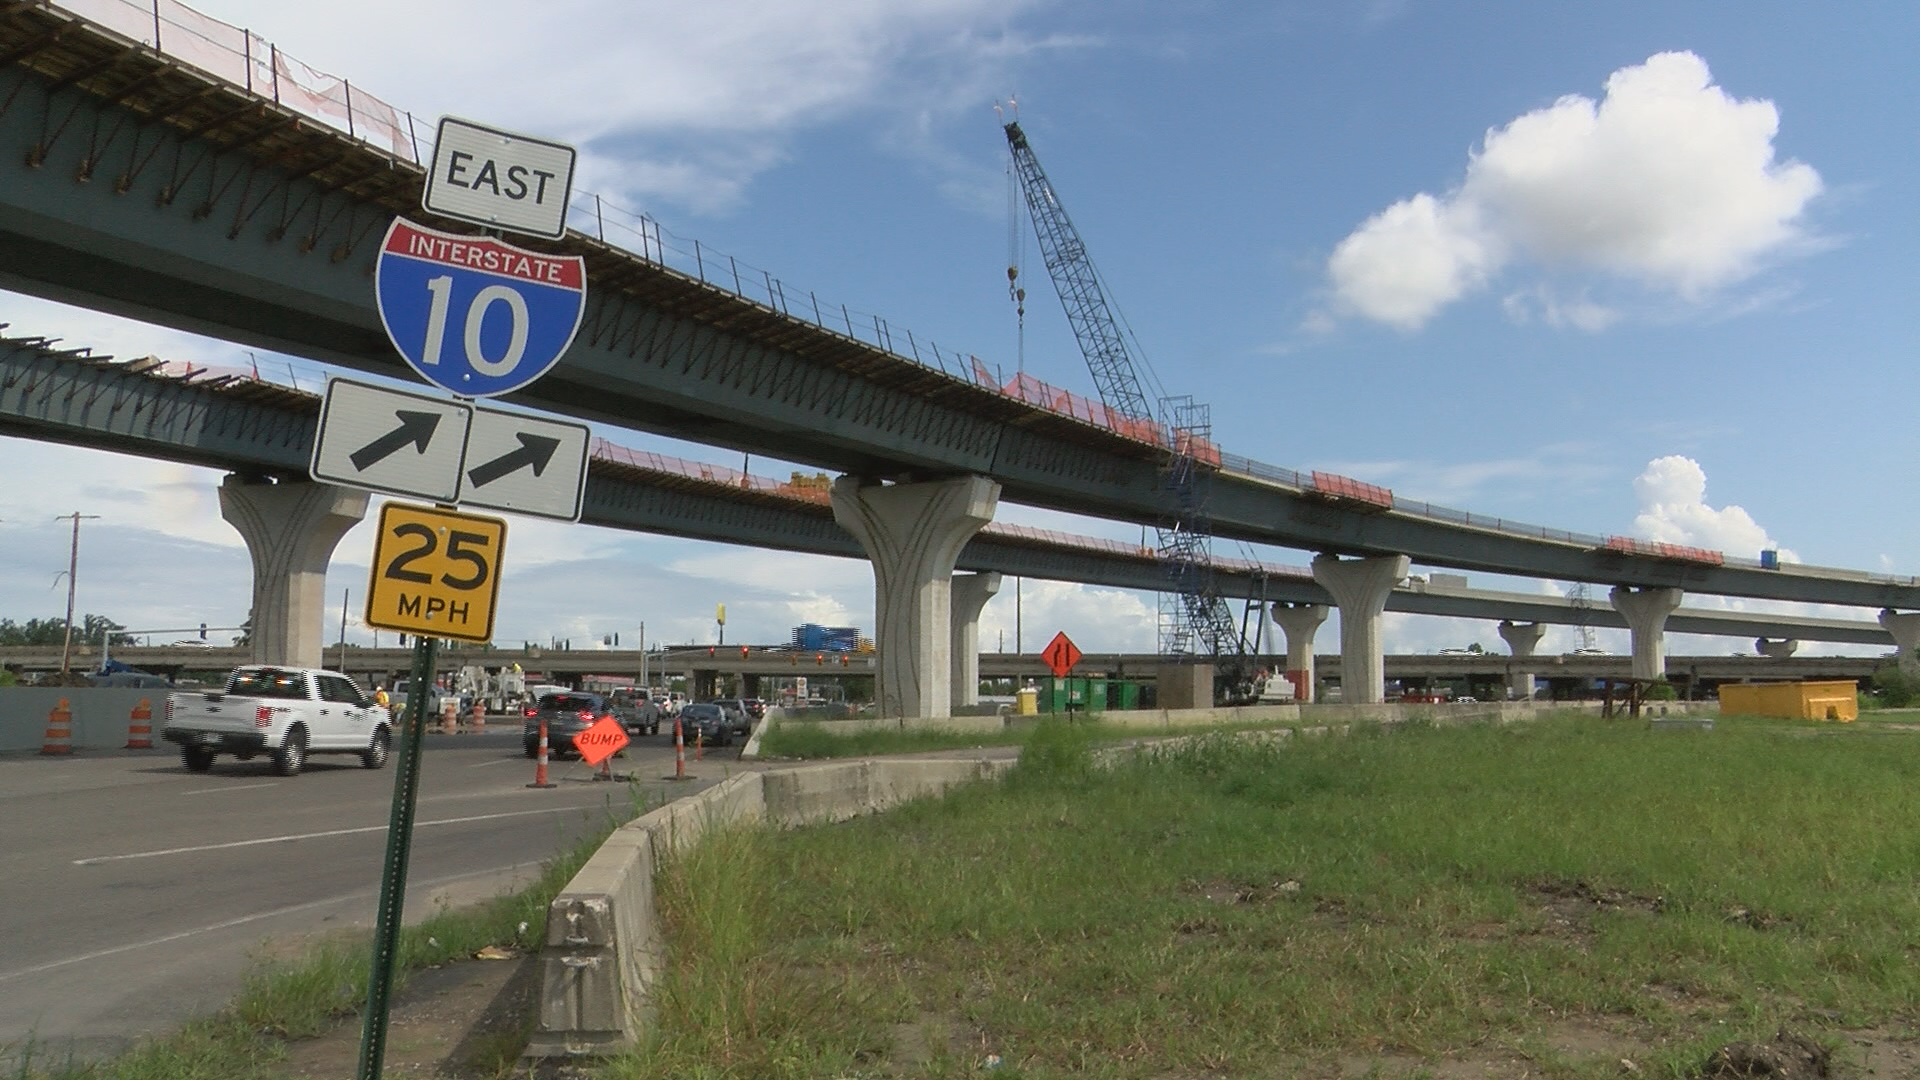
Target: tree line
{"x": 54, "y": 631}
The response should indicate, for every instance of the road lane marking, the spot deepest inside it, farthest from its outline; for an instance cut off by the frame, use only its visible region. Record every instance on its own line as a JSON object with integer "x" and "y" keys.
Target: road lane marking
{"x": 292, "y": 837}
{"x": 214, "y": 790}
{"x": 228, "y": 925}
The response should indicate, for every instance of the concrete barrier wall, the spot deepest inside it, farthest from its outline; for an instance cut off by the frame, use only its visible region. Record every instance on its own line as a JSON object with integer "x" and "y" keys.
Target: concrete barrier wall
{"x": 101, "y": 715}
{"x": 603, "y": 950}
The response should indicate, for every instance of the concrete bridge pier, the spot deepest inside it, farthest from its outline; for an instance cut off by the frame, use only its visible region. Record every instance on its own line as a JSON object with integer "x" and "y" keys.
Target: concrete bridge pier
{"x": 1905, "y": 628}
{"x": 1300, "y": 622}
{"x": 291, "y": 529}
{"x": 1775, "y": 650}
{"x": 970, "y": 595}
{"x": 913, "y": 533}
{"x": 1522, "y": 638}
{"x": 1646, "y": 612}
{"x": 1360, "y": 588}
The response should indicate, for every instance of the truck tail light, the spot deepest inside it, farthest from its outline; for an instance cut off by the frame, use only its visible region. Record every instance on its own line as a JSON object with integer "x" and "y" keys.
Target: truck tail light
{"x": 263, "y": 716}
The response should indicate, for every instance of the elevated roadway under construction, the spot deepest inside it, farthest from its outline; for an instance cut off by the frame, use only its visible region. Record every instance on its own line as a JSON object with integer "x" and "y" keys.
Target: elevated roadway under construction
{"x": 235, "y": 422}
{"x": 148, "y": 187}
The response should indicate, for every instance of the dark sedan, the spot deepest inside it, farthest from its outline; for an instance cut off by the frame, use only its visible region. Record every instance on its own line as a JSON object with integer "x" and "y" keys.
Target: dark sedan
{"x": 706, "y": 722}
{"x": 566, "y": 715}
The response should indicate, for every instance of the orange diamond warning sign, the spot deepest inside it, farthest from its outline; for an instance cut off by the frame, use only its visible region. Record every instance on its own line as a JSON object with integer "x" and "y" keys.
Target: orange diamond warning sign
{"x": 1060, "y": 654}
{"x": 601, "y": 741}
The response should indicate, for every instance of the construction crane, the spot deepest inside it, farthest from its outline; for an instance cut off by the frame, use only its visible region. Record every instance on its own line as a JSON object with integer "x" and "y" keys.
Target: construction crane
{"x": 1192, "y": 612}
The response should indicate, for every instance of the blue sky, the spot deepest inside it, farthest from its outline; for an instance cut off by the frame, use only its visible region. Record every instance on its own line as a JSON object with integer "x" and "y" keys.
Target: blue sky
{"x": 1637, "y": 268}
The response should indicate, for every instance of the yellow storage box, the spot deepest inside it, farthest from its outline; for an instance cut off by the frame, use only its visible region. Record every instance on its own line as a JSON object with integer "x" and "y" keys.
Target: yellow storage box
{"x": 1835, "y": 700}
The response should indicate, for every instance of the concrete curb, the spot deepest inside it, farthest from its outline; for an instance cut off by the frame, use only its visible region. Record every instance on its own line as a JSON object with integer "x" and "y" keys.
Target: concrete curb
{"x": 603, "y": 949}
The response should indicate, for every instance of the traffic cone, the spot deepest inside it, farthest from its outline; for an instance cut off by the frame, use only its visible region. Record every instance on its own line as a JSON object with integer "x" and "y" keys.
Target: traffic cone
{"x": 450, "y": 718}
{"x": 698, "y": 738}
{"x": 679, "y": 750}
{"x": 479, "y": 716}
{"x": 140, "y": 726}
{"x": 540, "y": 762}
{"x": 59, "y": 730}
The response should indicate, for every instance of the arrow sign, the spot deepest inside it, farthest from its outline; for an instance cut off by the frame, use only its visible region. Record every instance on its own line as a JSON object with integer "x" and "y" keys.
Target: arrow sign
{"x": 526, "y": 464}
{"x": 366, "y": 431}
{"x": 415, "y": 427}
{"x": 1060, "y": 654}
{"x": 535, "y": 450}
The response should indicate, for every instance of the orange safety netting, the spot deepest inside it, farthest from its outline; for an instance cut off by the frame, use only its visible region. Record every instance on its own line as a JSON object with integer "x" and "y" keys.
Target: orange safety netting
{"x": 1345, "y": 487}
{"x": 1655, "y": 549}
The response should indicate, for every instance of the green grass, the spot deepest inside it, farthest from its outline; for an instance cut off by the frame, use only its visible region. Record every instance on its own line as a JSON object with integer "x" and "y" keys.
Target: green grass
{"x": 287, "y": 999}
{"x": 1407, "y": 897}
{"x": 807, "y": 740}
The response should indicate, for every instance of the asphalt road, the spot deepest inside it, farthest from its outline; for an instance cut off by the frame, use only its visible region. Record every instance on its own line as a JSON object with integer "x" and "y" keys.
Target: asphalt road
{"x": 135, "y": 894}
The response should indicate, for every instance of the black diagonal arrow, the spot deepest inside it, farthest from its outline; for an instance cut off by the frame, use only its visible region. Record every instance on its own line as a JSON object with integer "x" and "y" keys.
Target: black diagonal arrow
{"x": 415, "y": 427}
{"x": 535, "y": 450}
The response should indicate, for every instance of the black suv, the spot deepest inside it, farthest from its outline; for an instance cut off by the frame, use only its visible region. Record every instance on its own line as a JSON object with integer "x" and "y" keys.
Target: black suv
{"x": 566, "y": 715}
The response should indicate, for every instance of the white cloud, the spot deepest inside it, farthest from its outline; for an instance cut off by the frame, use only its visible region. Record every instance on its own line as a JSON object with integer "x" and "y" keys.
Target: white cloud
{"x": 686, "y": 102}
{"x": 1672, "y": 493}
{"x": 1667, "y": 183}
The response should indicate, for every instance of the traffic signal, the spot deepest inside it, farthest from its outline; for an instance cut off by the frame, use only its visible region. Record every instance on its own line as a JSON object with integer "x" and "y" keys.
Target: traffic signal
{"x": 203, "y": 631}
{"x": 743, "y": 652}
{"x": 818, "y": 659}
{"x": 403, "y": 641}
{"x": 709, "y": 652}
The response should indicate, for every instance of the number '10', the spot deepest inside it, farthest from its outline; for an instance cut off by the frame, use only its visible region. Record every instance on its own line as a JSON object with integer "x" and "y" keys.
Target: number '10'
{"x": 442, "y": 290}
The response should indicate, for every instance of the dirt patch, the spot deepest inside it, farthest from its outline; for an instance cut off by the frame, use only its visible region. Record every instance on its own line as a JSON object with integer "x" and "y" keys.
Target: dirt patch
{"x": 1790, "y": 1056}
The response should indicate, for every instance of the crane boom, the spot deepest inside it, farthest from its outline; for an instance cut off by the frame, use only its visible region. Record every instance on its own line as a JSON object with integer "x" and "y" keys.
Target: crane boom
{"x": 1088, "y": 312}
{"x": 1185, "y": 540}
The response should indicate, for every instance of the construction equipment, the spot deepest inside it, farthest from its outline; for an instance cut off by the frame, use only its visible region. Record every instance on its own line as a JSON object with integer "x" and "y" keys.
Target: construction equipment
{"x": 1193, "y": 616}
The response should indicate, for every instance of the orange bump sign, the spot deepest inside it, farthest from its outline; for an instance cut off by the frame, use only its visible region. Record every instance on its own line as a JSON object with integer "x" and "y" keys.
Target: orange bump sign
{"x": 601, "y": 741}
{"x": 436, "y": 572}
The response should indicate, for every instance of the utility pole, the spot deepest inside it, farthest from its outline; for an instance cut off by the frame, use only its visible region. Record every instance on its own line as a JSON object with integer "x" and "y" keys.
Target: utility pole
{"x": 73, "y": 564}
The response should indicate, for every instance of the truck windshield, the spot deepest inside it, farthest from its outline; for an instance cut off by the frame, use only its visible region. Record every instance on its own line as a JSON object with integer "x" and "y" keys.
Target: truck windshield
{"x": 268, "y": 682}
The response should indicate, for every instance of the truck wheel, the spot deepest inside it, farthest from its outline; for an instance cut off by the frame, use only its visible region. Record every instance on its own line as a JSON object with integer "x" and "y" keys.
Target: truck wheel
{"x": 196, "y": 758}
{"x": 375, "y": 755}
{"x": 292, "y": 755}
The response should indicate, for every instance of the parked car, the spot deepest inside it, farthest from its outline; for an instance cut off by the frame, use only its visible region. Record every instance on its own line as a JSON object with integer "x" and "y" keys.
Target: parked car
{"x": 706, "y": 722}
{"x": 739, "y": 722}
{"x": 636, "y": 711}
{"x": 566, "y": 714}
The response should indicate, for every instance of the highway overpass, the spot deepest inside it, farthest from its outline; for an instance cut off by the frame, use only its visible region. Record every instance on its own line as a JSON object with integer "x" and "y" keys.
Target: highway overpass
{"x": 273, "y": 245}
{"x": 236, "y": 422}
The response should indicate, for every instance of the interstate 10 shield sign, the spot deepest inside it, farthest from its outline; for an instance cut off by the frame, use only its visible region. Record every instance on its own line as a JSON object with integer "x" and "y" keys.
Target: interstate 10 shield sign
{"x": 474, "y": 315}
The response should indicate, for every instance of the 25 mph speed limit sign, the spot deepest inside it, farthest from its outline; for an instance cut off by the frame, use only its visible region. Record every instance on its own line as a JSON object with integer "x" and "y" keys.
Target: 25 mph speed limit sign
{"x": 436, "y": 572}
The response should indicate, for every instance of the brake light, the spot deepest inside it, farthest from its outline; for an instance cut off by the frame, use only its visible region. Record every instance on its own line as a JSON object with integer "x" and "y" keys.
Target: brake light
{"x": 587, "y": 715}
{"x": 263, "y": 716}
{"x": 169, "y": 710}
{"x": 531, "y": 711}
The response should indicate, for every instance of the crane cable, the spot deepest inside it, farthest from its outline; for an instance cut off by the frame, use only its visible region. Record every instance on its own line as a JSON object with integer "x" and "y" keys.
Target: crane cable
{"x": 1016, "y": 261}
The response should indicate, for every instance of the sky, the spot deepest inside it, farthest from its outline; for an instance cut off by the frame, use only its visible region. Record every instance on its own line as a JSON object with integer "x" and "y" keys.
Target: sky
{"x": 1641, "y": 269}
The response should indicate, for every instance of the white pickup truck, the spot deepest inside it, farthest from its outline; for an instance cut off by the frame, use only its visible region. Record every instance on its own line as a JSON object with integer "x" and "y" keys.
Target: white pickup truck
{"x": 286, "y": 712}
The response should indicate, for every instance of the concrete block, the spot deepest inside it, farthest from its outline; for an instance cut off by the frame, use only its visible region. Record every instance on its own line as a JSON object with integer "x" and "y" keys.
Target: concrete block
{"x": 833, "y": 792}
